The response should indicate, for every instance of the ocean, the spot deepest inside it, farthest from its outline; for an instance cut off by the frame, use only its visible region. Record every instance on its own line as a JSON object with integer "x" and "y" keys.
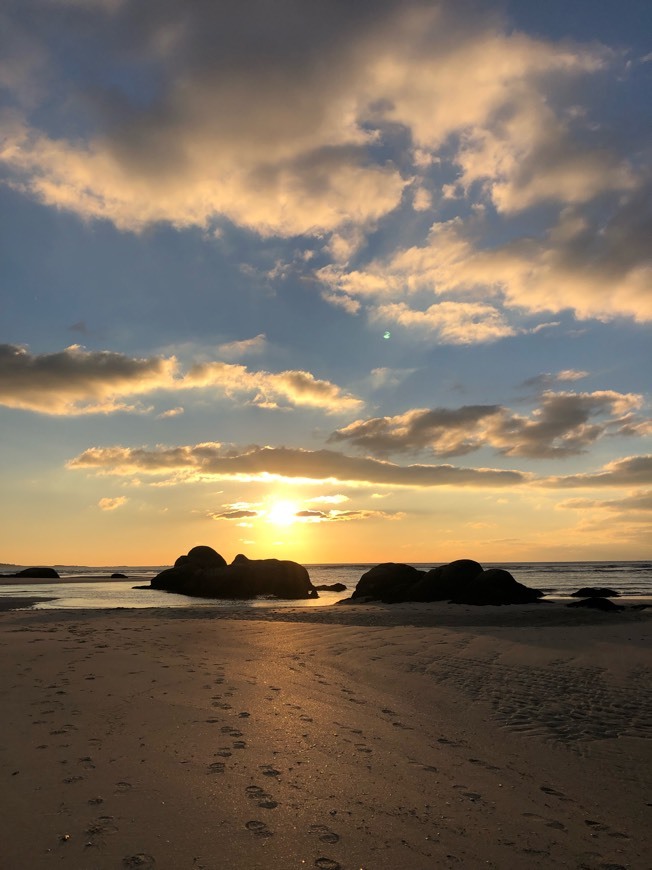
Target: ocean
{"x": 555, "y": 579}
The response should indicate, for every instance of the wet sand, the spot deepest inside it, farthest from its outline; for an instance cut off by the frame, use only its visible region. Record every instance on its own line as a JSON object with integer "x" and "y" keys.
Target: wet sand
{"x": 344, "y": 737}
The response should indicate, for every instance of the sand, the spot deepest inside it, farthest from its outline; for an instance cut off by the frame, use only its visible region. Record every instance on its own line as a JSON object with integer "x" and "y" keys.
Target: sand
{"x": 367, "y": 737}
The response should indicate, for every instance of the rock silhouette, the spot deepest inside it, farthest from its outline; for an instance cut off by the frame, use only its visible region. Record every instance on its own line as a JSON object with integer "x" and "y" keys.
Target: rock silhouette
{"x": 595, "y": 592}
{"x": 36, "y": 573}
{"x": 595, "y": 602}
{"x": 204, "y": 573}
{"x": 463, "y": 582}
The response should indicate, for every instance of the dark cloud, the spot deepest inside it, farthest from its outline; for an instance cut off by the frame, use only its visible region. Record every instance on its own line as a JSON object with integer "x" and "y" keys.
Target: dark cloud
{"x": 204, "y": 461}
{"x": 76, "y": 381}
{"x": 447, "y": 431}
{"x": 234, "y": 515}
{"x": 565, "y": 424}
{"x": 630, "y": 471}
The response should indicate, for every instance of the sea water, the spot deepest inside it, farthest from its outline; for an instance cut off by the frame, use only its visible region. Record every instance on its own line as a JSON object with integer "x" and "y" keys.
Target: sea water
{"x": 555, "y": 579}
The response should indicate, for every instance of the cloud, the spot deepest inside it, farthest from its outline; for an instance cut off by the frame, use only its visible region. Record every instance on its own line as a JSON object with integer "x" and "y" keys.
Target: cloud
{"x": 76, "y": 381}
{"x": 596, "y": 267}
{"x": 452, "y": 322}
{"x": 639, "y": 502}
{"x": 295, "y": 387}
{"x": 193, "y": 112}
{"x": 111, "y": 504}
{"x": 171, "y": 412}
{"x": 447, "y": 432}
{"x": 629, "y": 471}
{"x": 234, "y": 515}
{"x": 248, "y": 117}
{"x": 213, "y": 461}
{"x": 531, "y": 157}
{"x": 247, "y": 347}
{"x": 313, "y": 516}
{"x": 565, "y": 424}
{"x": 545, "y": 380}
{"x": 388, "y": 377}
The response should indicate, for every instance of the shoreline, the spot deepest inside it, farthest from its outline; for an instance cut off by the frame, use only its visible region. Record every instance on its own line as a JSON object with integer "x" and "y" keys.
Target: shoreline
{"x": 326, "y": 739}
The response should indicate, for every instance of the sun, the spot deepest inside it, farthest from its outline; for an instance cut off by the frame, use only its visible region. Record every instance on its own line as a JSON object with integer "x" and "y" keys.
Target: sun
{"x": 282, "y": 513}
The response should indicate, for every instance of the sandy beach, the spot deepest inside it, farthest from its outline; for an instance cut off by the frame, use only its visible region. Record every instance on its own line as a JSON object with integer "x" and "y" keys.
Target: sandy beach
{"x": 375, "y": 737}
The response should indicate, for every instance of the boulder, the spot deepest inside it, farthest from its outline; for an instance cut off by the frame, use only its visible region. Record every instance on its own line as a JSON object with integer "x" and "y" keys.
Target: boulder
{"x": 595, "y": 592}
{"x": 331, "y": 587}
{"x": 204, "y": 573}
{"x": 446, "y": 581}
{"x": 389, "y": 582}
{"x": 595, "y": 602}
{"x": 495, "y": 586}
{"x": 40, "y": 572}
{"x": 119, "y": 576}
{"x": 463, "y": 582}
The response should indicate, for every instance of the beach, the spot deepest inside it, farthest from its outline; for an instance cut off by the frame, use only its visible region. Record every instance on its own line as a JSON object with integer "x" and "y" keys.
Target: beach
{"x": 367, "y": 736}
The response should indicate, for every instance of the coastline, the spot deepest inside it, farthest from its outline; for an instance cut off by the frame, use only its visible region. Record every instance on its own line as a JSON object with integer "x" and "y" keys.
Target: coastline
{"x": 372, "y": 736}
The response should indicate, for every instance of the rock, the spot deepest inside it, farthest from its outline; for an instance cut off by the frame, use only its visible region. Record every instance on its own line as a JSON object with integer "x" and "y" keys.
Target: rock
{"x": 204, "y": 573}
{"x": 119, "y": 576}
{"x": 597, "y": 603}
{"x": 463, "y": 582}
{"x": 389, "y": 582}
{"x": 40, "y": 572}
{"x": 205, "y": 557}
{"x": 595, "y": 592}
{"x": 331, "y": 587}
{"x": 446, "y": 581}
{"x": 495, "y": 586}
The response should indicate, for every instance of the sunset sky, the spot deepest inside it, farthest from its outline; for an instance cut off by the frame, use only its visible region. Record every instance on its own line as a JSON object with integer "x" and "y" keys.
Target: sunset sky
{"x": 325, "y": 280}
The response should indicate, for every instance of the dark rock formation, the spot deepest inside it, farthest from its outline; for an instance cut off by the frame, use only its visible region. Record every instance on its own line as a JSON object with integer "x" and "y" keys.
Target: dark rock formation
{"x": 597, "y": 603}
{"x": 331, "y": 587}
{"x": 595, "y": 592}
{"x": 205, "y": 574}
{"x": 495, "y": 586}
{"x": 119, "y": 576}
{"x": 47, "y": 573}
{"x": 462, "y": 582}
{"x": 202, "y": 557}
{"x": 389, "y": 581}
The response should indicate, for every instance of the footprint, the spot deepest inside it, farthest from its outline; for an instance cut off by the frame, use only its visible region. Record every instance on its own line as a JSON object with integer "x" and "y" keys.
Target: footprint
{"x": 552, "y": 791}
{"x": 258, "y": 828}
{"x": 104, "y": 825}
{"x": 141, "y": 859}
{"x": 327, "y": 864}
{"x": 262, "y": 798}
{"x": 325, "y": 834}
{"x": 216, "y": 767}
{"x": 123, "y": 787}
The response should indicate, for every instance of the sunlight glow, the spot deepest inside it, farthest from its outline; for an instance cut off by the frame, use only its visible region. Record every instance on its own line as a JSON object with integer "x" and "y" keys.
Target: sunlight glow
{"x": 282, "y": 513}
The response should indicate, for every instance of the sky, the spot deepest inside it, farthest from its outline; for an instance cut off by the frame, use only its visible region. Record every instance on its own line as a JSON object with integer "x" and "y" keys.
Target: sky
{"x": 325, "y": 281}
